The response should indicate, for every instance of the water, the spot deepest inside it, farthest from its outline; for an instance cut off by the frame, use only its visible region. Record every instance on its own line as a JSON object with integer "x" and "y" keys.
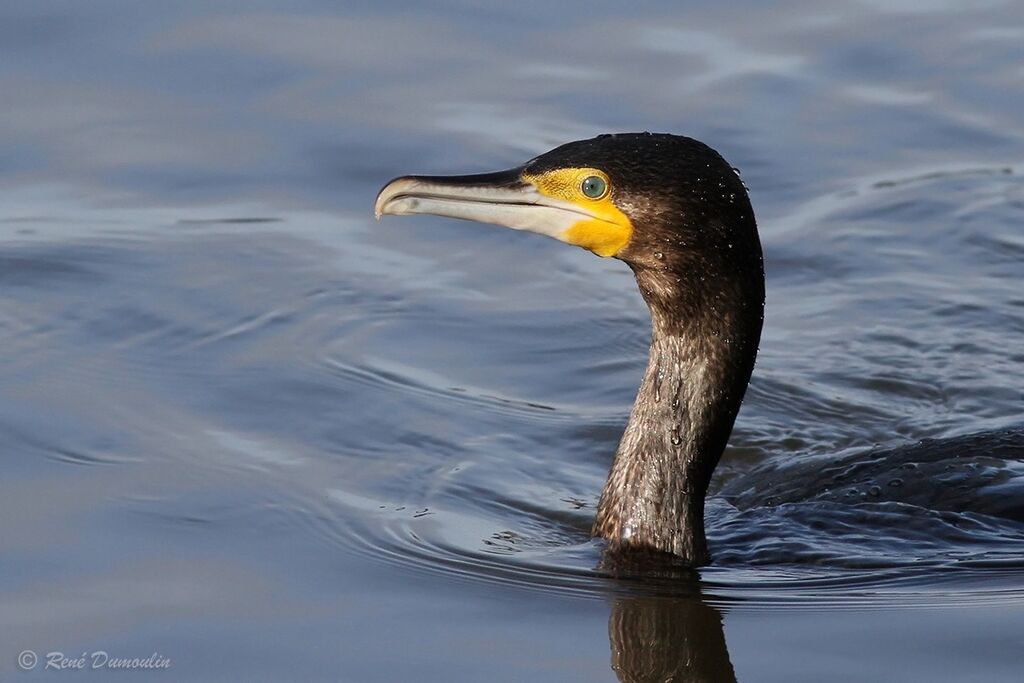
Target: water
{"x": 248, "y": 428}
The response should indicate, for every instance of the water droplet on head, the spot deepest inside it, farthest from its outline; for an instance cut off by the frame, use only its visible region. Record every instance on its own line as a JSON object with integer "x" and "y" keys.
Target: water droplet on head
{"x": 658, "y": 255}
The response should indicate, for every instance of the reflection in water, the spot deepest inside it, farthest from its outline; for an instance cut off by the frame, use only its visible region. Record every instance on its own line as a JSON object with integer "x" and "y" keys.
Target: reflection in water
{"x": 667, "y": 639}
{"x": 667, "y": 632}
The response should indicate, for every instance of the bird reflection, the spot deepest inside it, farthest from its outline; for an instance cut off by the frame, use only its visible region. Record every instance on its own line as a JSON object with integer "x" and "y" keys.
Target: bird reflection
{"x": 667, "y": 632}
{"x": 668, "y": 639}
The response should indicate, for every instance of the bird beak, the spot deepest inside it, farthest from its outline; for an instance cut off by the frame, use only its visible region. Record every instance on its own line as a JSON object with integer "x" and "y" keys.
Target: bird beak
{"x": 505, "y": 198}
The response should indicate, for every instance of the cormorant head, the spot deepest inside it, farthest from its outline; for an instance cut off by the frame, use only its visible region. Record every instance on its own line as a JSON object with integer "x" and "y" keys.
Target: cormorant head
{"x": 662, "y": 203}
{"x": 679, "y": 216}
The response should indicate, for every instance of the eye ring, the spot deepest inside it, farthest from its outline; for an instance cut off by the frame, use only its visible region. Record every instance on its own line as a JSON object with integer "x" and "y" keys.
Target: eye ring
{"x": 594, "y": 187}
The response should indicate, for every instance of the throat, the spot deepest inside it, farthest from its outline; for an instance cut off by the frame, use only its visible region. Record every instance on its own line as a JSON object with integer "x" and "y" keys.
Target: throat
{"x": 678, "y": 427}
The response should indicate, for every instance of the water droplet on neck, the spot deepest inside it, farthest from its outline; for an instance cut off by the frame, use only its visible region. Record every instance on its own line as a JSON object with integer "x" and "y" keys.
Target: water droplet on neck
{"x": 658, "y": 255}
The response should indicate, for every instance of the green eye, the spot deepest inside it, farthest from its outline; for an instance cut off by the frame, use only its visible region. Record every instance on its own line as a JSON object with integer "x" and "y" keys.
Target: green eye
{"x": 594, "y": 186}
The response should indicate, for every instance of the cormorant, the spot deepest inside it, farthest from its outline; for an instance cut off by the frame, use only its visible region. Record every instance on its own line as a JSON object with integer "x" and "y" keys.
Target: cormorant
{"x": 679, "y": 216}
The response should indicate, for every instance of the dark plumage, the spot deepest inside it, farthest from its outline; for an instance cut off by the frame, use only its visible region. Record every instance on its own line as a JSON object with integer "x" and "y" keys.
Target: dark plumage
{"x": 696, "y": 256}
{"x": 679, "y": 216}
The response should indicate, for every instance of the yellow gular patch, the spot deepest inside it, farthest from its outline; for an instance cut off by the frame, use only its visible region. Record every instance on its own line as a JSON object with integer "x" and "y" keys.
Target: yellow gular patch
{"x": 607, "y": 230}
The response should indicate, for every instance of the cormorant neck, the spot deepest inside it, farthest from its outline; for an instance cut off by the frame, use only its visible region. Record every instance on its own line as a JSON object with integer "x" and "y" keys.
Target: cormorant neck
{"x": 703, "y": 344}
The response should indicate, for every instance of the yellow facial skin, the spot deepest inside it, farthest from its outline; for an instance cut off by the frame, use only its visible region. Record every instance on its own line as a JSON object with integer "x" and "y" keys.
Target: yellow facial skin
{"x": 607, "y": 230}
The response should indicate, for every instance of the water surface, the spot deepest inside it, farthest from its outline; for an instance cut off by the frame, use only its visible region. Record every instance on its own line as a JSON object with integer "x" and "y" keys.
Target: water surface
{"x": 248, "y": 428}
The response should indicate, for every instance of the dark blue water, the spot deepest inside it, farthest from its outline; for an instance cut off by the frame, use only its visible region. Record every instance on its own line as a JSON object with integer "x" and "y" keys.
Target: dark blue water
{"x": 248, "y": 428}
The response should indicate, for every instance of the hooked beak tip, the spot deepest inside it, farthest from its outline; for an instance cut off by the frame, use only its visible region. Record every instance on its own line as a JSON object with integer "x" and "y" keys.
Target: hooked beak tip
{"x": 396, "y": 189}
{"x": 378, "y": 206}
